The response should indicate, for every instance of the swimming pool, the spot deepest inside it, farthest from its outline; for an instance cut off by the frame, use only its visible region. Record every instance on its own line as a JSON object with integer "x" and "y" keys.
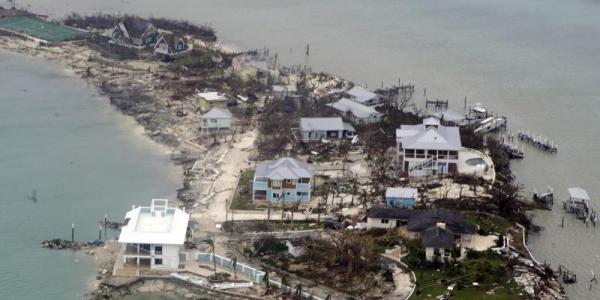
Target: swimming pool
{"x": 477, "y": 161}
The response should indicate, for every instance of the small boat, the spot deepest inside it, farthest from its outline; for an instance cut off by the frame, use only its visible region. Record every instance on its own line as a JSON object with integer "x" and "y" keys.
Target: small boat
{"x": 546, "y": 199}
{"x": 491, "y": 124}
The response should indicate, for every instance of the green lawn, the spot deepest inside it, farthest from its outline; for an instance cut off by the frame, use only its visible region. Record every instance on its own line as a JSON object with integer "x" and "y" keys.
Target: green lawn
{"x": 486, "y": 269}
{"x": 41, "y": 29}
{"x": 489, "y": 223}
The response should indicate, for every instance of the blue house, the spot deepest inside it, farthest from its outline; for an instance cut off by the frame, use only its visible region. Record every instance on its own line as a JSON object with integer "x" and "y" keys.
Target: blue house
{"x": 401, "y": 196}
{"x": 285, "y": 179}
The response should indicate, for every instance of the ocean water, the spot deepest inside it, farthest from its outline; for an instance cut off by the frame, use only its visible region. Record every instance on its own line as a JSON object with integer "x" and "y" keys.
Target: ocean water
{"x": 84, "y": 159}
{"x": 535, "y": 61}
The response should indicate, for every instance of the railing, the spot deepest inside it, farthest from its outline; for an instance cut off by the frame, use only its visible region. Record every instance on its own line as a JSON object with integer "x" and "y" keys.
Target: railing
{"x": 257, "y": 275}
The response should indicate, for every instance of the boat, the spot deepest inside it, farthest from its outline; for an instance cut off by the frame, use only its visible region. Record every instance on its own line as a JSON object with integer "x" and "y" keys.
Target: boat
{"x": 491, "y": 124}
{"x": 578, "y": 203}
{"x": 546, "y": 199}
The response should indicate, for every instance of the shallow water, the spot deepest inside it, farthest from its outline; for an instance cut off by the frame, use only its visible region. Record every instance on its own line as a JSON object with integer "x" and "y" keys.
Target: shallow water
{"x": 535, "y": 61}
{"x": 84, "y": 160}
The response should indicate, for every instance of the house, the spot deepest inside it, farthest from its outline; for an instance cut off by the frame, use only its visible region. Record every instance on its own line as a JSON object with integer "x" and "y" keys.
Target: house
{"x": 441, "y": 231}
{"x": 295, "y": 247}
{"x": 169, "y": 44}
{"x": 280, "y": 92}
{"x": 363, "y": 96}
{"x": 315, "y": 129}
{"x": 153, "y": 237}
{"x": 134, "y": 33}
{"x": 252, "y": 67}
{"x": 210, "y": 100}
{"x": 428, "y": 148}
{"x": 216, "y": 119}
{"x": 285, "y": 179}
{"x": 356, "y": 112}
{"x": 401, "y": 196}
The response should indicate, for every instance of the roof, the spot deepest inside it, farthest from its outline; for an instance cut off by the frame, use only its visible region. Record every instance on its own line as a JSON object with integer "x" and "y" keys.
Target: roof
{"x": 358, "y": 110}
{"x": 448, "y": 116}
{"x": 360, "y": 94}
{"x": 290, "y": 88}
{"x": 157, "y": 224}
{"x": 422, "y": 220}
{"x": 317, "y": 124}
{"x": 419, "y": 137}
{"x": 172, "y": 39}
{"x": 217, "y": 113}
{"x": 284, "y": 168}
{"x": 437, "y": 237}
{"x": 578, "y": 193}
{"x": 390, "y": 213}
{"x": 401, "y": 192}
{"x": 134, "y": 27}
{"x": 212, "y": 96}
{"x": 431, "y": 122}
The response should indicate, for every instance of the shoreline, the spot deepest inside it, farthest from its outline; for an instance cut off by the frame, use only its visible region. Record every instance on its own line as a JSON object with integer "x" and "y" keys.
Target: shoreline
{"x": 78, "y": 65}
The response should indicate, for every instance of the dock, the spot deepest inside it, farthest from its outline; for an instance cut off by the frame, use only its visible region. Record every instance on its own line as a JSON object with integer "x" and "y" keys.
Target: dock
{"x": 545, "y": 199}
{"x": 539, "y": 141}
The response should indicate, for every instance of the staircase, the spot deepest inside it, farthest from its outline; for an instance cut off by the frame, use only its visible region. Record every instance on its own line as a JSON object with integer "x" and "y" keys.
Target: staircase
{"x": 428, "y": 164}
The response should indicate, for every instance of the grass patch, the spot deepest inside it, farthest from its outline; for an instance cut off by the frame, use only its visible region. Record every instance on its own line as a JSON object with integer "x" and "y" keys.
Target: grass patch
{"x": 485, "y": 268}
{"x": 242, "y": 200}
{"x": 489, "y": 223}
{"x": 289, "y": 226}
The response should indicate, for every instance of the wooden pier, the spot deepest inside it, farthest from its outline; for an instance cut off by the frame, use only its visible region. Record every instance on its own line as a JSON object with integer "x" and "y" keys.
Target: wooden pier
{"x": 546, "y": 199}
{"x": 539, "y": 141}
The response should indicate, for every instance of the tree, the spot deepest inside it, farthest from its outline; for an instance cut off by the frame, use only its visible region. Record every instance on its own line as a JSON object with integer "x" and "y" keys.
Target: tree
{"x": 211, "y": 242}
{"x": 234, "y": 265}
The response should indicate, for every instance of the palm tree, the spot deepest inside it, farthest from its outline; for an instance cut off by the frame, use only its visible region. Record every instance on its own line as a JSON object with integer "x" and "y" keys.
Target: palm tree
{"x": 234, "y": 265}
{"x": 211, "y": 242}
{"x": 363, "y": 198}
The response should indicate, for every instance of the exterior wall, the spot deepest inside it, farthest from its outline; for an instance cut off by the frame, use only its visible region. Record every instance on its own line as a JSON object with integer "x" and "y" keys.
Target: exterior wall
{"x": 383, "y": 223}
{"x": 430, "y": 254}
{"x": 211, "y": 123}
{"x": 318, "y": 135}
{"x": 442, "y": 165}
{"x": 169, "y": 255}
{"x": 400, "y": 202}
{"x": 208, "y": 105}
{"x": 287, "y": 192}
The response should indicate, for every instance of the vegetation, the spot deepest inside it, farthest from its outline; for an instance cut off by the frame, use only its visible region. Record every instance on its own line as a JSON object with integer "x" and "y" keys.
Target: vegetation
{"x": 487, "y": 269}
{"x": 105, "y": 21}
{"x": 242, "y": 200}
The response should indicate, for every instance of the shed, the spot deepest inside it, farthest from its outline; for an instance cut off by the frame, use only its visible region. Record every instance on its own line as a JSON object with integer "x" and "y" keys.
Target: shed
{"x": 401, "y": 196}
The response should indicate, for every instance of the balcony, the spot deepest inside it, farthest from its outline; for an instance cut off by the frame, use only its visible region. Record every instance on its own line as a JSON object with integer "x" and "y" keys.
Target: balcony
{"x": 132, "y": 249}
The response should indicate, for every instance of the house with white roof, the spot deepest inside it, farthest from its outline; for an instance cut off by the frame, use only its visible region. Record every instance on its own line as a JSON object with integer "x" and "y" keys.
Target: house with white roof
{"x": 428, "y": 148}
{"x": 280, "y": 92}
{"x": 285, "y": 179}
{"x": 355, "y": 111}
{"x": 401, "y": 196}
{"x": 153, "y": 237}
{"x": 363, "y": 96}
{"x": 209, "y": 100}
{"x": 216, "y": 119}
{"x": 315, "y": 129}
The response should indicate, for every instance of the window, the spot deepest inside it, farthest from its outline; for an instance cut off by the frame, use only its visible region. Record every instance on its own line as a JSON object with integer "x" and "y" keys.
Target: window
{"x": 384, "y": 221}
{"x": 302, "y": 193}
{"x": 158, "y": 250}
{"x": 213, "y": 120}
{"x": 276, "y": 195}
{"x": 158, "y": 261}
{"x": 288, "y": 193}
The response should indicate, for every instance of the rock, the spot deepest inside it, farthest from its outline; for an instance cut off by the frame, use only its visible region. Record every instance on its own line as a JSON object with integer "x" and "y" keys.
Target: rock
{"x": 99, "y": 277}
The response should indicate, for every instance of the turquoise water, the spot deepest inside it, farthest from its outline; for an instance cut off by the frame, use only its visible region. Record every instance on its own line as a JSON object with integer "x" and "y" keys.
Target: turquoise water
{"x": 84, "y": 160}
{"x": 534, "y": 60}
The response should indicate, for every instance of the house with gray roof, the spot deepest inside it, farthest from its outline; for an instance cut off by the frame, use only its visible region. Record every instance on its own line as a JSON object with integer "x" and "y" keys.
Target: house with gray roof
{"x": 316, "y": 129}
{"x": 285, "y": 179}
{"x": 134, "y": 33}
{"x": 355, "y": 111}
{"x": 428, "y": 148}
{"x": 363, "y": 96}
{"x": 216, "y": 119}
{"x": 440, "y": 230}
{"x": 171, "y": 45}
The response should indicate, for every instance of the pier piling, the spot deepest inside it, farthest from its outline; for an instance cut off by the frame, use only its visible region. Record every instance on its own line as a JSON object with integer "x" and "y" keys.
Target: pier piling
{"x": 72, "y": 232}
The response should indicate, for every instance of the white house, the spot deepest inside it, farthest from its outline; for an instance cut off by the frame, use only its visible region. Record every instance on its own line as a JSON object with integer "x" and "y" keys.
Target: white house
{"x": 153, "y": 237}
{"x": 363, "y": 96}
{"x": 213, "y": 99}
{"x": 315, "y": 129}
{"x": 357, "y": 112}
{"x": 216, "y": 119}
{"x": 428, "y": 148}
